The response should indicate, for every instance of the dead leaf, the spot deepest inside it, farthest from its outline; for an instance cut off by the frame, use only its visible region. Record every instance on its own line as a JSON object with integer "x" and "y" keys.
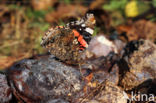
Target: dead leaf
{"x": 6, "y": 62}
{"x": 63, "y": 11}
{"x": 141, "y": 29}
{"x": 42, "y": 4}
{"x": 97, "y": 4}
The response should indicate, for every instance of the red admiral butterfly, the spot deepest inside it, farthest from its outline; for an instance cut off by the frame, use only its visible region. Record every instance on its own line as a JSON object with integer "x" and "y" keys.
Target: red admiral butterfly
{"x": 67, "y": 42}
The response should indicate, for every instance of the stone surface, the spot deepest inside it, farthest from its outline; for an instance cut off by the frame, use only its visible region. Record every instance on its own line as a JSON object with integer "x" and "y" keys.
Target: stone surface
{"x": 109, "y": 93}
{"x": 101, "y": 46}
{"x": 141, "y": 66}
{"x": 47, "y": 80}
{"x": 44, "y": 79}
{"x": 5, "y": 91}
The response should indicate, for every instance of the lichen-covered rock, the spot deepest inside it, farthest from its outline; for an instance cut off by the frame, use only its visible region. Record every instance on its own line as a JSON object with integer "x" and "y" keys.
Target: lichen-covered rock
{"x": 5, "y": 91}
{"x": 41, "y": 80}
{"x": 45, "y": 79}
{"x": 101, "y": 46}
{"x": 141, "y": 66}
{"x": 104, "y": 67}
{"x": 108, "y": 93}
{"x": 112, "y": 76}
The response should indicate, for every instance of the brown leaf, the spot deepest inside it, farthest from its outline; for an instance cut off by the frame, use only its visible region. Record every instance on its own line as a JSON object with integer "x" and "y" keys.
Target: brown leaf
{"x": 141, "y": 29}
{"x": 64, "y": 11}
{"x": 97, "y": 4}
{"x": 42, "y": 4}
{"x": 6, "y": 62}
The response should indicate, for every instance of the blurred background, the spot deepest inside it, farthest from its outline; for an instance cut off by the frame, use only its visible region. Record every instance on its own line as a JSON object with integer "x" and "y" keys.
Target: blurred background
{"x": 24, "y": 22}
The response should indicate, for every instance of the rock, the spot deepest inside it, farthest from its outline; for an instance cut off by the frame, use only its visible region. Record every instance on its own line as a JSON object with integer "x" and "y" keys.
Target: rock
{"x": 47, "y": 80}
{"x": 101, "y": 46}
{"x": 43, "y": 80}
{"x": 5, "y": 91}
{"x": 108, "y": 93}
{"x": 105, "y": 68}
{"x": 141, "y": 65}
{"x": 57, "y": 101}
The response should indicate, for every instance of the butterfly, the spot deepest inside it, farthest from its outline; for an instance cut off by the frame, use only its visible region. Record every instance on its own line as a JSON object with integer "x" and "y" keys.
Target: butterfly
{"x": 68, "y": 42}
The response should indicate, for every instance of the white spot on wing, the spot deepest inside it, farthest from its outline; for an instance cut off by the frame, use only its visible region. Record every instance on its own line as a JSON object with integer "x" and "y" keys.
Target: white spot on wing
{"x": 89, "y": 30}
{"x": 83, "y": 25}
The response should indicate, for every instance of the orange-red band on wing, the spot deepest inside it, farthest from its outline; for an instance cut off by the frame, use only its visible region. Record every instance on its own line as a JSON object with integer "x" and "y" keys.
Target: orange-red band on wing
{"x": 76, "y": 33}
{"x": 80, "y": 38}
{"x": 82, "y": 41}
